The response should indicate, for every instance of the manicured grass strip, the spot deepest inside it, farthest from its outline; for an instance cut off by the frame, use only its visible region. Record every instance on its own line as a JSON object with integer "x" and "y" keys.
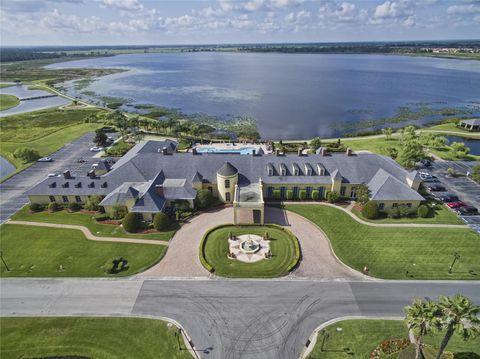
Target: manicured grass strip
{"x": 8, "y": 101}
{"x": 99, "y": 338}
{"x": 426, "y": 253}
{"x": 87, "y": 220}
{"x": 358, "y": 338}
{"x": 39, "y": 252}
{"x": 282, "y": 245}
{"x": 440, "y": 215}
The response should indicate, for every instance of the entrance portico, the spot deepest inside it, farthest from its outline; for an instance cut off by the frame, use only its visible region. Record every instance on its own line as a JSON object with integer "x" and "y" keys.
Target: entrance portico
{"x": 248, "y": 205}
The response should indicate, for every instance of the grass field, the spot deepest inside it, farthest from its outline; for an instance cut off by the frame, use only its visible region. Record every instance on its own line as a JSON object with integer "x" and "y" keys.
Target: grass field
{"x": 39, "y": 252}
{"x": 2, "y": 86}
{"x": 281, "y": 245}
{"x": 45, "y": 131}
{"x": 99, "y": 338}
{"x": 87, "y": 220}
{"x": 358, "y": 338}
{"x": 452, "y": 127}
{"x": 440, "y": 215}
{"x": 8, "y": 101}
{"x": 426, "y": 253}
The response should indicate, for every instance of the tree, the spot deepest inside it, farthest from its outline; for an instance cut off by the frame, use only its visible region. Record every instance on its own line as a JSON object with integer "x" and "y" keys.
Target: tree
{"x": 118, "y": 211}
{"x": 363, "y": 193}
{"x": 333, "y": 196}
{"x": 100, "y": 138}
{"x": 422, "y": 319}
{"x": 26, "y": 154}
{"x": 130, "y": 223}
{"x": 370, "y": 210}
{"x": 315, "y": 143}
{"x": 387, "y": 132}
{"x": 460, "y": 149}
{"x": 161, "y": 221}
{"x": 412, "y": 151}
{"x": 476, "y": 173}
{"x": 120, "y": 121}
{"x": 92, "y": 203}
{"x": 204, "y": 199}
{"x": 423, "y": 211}
{"x": 439, "y": 141}
{"x": 458, "y": 314}
{"x": 392, "y": 152}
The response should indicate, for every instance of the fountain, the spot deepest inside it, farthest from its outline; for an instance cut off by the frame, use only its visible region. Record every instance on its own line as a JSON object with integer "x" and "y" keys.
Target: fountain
{"x": 250, "y": 246}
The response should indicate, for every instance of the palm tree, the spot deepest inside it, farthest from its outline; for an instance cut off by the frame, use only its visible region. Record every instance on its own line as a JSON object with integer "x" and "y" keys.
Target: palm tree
{"x": 460, "y": 315}
{"x": 422, "y": 319}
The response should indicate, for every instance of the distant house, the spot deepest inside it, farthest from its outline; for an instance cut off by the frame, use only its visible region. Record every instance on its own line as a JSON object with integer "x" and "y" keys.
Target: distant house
{"x": 152, "y": 177}
{"x": 470, "y": 125}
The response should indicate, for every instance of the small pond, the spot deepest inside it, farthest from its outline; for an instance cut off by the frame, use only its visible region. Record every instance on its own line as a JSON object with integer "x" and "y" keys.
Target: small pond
{"x": 473, "y": 144}
{"x": 5, "y": 167}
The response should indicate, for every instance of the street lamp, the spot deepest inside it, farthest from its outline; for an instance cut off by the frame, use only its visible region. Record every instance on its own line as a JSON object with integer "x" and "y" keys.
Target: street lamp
{"x": 456, "y": 256}
{"x": 3, "y": 260}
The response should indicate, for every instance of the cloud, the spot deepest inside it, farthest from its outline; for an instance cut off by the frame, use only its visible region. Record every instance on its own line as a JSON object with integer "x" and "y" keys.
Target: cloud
{"x": 342, "y": 13}
{"x": 467, "y": 9}
{"x": 392, "y": 9}
{"x": 126, "y": 5}
{"x": 409, "y": 21}
{"x": 285, "y": 3}
{"x": 298, "y": 18}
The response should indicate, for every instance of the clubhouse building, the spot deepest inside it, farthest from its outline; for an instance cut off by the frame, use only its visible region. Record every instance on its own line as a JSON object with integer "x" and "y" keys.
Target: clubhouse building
{"x": 153, "y": 176}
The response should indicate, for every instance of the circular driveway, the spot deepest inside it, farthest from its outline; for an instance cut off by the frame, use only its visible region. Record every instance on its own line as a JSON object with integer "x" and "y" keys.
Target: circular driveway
{"x": 318, "y": 260}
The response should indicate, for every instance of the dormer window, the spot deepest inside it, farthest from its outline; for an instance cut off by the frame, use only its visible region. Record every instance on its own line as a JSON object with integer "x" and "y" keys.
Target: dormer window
{"x": 282, "y": 169}
{"x": 52, "y": 185}
{"x": 321, "y": 170}
{"x": 270, "y": 169}
{"x": 104, "y": 185}
{"x": 78, "y": 185}
{"x": 65, "y": 185}
{"x": 308, "y": 170}
{"x": 91, "y": 185}
{"x": 295, "y": 170}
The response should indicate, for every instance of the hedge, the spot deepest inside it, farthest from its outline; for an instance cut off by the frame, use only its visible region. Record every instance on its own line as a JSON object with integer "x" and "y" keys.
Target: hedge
{"x": 289, "y": 194}
{"x": 315, "y": 195}
{"x": 303, "y": 194}
{"x": 276, "y": 194}
{"x": 209, "y": 267}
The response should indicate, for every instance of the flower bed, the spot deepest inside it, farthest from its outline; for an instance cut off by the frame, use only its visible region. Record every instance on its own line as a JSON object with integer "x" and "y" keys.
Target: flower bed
{"x": 389, "y": 346}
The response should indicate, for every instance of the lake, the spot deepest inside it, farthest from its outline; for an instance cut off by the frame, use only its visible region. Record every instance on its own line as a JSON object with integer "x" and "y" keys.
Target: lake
{"x": 292, "y": 96}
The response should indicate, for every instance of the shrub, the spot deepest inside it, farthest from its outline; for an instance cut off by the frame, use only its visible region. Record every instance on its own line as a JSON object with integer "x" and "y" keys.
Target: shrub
{"x": 370, "y": 210}
{"x": 276, "y": 194}
{"x": 422, "y": 211}
{"x": 404, "y": 211}
{"x": 315, "y": 195}
{"x": 26, "y": 154}
{"x": 74, "y": 206}
{"x": 54, "y": 207}
{"x": 394, "y": 213}
{"x": 204, "y": 199}
{"x": 101, "y": 217}
{"x": 161, "y": 221}
{"x": 302, "y": 194}
{"x": 118, "y": 212}
{"x": 333, "y": 196}
{"x": 92, "y": 203}
{"x": 363, "y": 192}
{"x": 289, "y": 194}
{"x": 130, "y": 223}
{"x": 35, "y": 207}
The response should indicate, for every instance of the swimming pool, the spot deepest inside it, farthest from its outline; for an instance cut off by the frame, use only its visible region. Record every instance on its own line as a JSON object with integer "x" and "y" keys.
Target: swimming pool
{"x": 240, "y": 150}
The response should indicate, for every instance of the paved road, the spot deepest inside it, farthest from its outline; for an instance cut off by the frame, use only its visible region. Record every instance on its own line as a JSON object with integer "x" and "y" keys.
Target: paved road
{"x": 12, "y": 196}
{"x": 232, "y": 319}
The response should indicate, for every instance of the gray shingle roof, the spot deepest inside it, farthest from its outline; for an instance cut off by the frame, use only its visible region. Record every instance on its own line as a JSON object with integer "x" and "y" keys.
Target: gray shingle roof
{"x": 227, "y": 170}
{"x": 384, "y": 186}
{"x": 473, "y": 121}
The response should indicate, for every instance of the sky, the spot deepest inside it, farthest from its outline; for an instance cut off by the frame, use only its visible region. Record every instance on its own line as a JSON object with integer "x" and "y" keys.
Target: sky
{"x": 167, "y": 22}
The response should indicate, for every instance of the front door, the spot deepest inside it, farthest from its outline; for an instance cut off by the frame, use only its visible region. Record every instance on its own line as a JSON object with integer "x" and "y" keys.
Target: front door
{"x": 257, "y": 216}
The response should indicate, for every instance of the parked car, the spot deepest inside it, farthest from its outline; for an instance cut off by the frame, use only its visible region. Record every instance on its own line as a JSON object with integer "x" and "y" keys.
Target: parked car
{"x": 431, "y": 180}
{"x": 456, "y": 204}
{"x": 54, "y": 175}
{"x": 426, "y": 163}
{"x": 448, "y": 197}
{"x": 435, "y": 187}
{"x": 467, "y": 211}
{"x": 81, "y": 160}
{"x": 96, "y": 149}
{"x": 45, "y": 159}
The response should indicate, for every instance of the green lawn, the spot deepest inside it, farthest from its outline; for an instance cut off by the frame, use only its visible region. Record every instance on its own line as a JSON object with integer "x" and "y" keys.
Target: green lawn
{"x": 452, "y": 127}
{"x": 439, "y": 214}
{"x": 8, "y": 101}
{"x": 426, "y": 253}
{"x": 2, "y": 86}
{"x": 39, "y": 252}
{"x": 99, "y": 338}
{"x": 282, "y": 246}
{"x": 45, "y": 131}
{"x": 446, "y": 153}
{"x": 358, "y": 338}
{"x": 87, "y": 220}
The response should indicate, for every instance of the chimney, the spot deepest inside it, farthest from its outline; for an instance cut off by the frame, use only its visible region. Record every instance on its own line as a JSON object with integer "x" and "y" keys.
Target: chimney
{"x": 194, "y": 151}
{"x": 300, "y": 152}
{"x": 349, "y": 151}
{"x": 164, "y": 150}
{"x": 254, "y": 152}
{"x": 277, "y": 152}
{"x": 91, "y": 174}
{"x": 323, "y": 151}
{"x": 67, "y": 175}
{"x": 159, "y": 190}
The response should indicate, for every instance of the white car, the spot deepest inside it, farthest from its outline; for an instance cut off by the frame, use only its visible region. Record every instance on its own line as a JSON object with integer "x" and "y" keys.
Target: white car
{"x": 45, "y": 159}
{"x": 96, "y": 149}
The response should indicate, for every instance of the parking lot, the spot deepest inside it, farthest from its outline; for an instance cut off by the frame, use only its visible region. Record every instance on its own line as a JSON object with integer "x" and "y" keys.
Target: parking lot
{"x": 466, "y": 189}
{"x": 12, "y": 191}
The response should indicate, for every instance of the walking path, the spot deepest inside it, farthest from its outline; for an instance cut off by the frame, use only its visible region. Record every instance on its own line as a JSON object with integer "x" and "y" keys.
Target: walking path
{"x": 398, "y": 225}
{"x": 86, "y": 232}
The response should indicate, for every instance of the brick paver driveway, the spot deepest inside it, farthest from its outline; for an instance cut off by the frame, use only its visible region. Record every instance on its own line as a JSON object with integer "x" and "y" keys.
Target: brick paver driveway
{"x": 318, "y": 260}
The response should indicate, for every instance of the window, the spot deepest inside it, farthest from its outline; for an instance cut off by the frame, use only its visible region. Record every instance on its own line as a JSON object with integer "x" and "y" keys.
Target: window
{"x": 409, "y": 205}
{"x": 227, "y": 196}
{"x": 308, "y": 190}
{"x": 320, "y": 193}
{"x": 78, "y": 199}
{"x": 65, "y": 199}
{"x": 395, "y": 205}
{"x": 210, "y": 189}
{"x": 342, "y": 191}
{"x": 269, "y": 192}
{"x": 52, "y": 198}
{"x": 227, "y": 183}
{"x": 353, "y": 194}
{"x": 295, "y": 192}
{"x": 381, "y": 206}
{"x": 283, "y": 192}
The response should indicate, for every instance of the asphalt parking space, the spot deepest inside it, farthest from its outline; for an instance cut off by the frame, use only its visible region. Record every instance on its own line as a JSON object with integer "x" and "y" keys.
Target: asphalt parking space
{"x": 466, "y": 189}
{"x": 12, "y": 191}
